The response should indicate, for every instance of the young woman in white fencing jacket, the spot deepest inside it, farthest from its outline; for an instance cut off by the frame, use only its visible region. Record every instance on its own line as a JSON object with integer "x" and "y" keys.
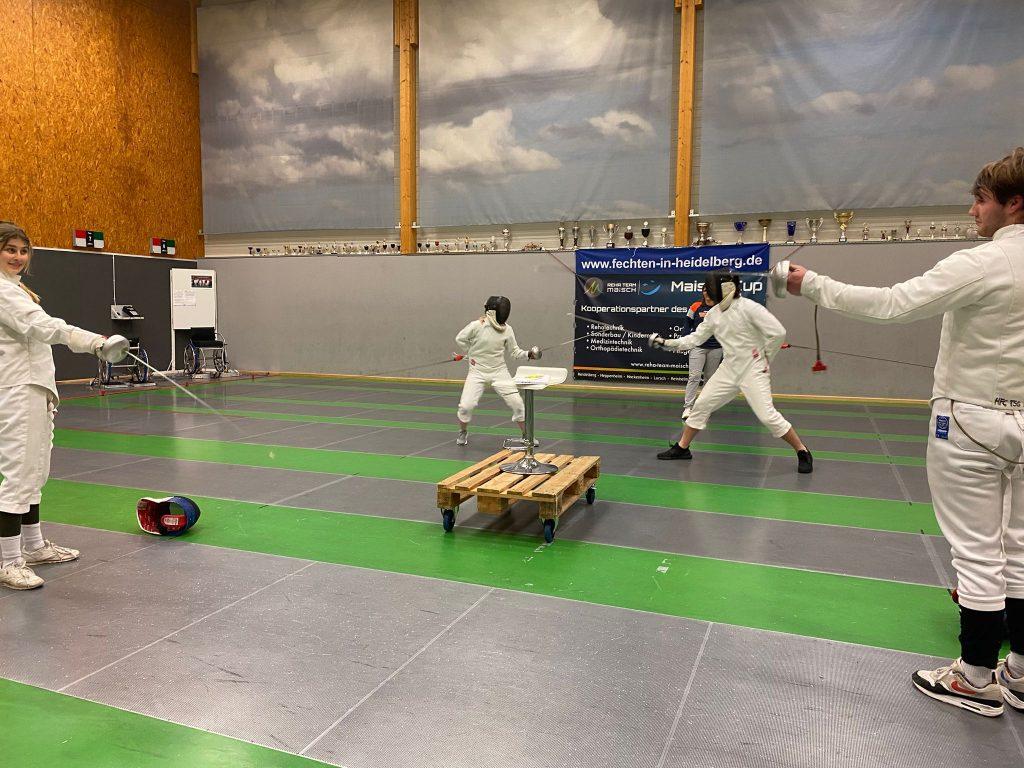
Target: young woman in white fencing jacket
{"x": 28, "y": 400}
{"x": 750, "y": 336}
{"x": 485, "y": 342}
{"x": 975, "y": 456}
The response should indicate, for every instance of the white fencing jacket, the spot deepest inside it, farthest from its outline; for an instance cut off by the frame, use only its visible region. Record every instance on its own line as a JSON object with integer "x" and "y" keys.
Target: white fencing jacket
{"x": 749, "y": 334}
{"x": 485, "y": 346}
{"x": 980, "y": 293}
{"x": 26, "y": 333}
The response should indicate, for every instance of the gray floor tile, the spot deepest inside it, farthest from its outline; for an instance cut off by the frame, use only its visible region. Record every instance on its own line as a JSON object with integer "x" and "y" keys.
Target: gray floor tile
{"x": 525, "y": 681}
{"x": 280, "y": 667}
{"x": 765, "y": 700}
{"x": 73, "y": 626}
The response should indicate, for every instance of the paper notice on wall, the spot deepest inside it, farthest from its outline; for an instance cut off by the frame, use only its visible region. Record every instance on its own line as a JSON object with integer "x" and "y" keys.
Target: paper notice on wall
{"x": 184, "y": 298}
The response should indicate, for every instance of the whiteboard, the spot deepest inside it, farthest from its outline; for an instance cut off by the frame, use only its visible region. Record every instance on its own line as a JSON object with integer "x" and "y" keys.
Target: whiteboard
{"x": 193, "y": 298}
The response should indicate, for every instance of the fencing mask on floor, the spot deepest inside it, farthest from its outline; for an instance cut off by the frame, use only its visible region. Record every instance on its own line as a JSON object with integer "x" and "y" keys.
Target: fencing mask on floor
{"x": 498, "y": 309}
{"x": 171, "y": 516}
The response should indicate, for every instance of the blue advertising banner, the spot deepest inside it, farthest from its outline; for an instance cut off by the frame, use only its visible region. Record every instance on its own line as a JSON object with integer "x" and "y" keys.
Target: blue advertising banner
{"x": 624, "y": 295}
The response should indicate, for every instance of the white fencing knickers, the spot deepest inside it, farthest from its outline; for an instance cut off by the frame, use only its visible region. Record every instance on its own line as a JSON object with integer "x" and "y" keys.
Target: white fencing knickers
{"x": 26, "y": 437}
{"x": 979, "y": 499}
{"x": 756, "y": 385}
{"x": 702, "y": 363}
{"x": 501, "y": 381}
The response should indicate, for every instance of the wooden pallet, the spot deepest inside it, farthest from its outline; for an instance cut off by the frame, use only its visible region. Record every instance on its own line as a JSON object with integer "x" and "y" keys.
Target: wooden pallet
{"x": 496, "y": 490}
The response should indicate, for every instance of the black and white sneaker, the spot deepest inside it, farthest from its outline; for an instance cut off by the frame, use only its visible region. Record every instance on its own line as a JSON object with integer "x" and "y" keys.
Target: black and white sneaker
{"x": 675, "y": 452}
{"x": 950, "y": 686}
{"x": 804, "y": 462}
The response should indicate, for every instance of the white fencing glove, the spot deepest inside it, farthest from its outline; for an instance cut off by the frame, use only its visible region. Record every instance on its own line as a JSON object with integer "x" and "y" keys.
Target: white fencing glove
{"x": 656, "y": 341}
{"x": 113, "y": 349}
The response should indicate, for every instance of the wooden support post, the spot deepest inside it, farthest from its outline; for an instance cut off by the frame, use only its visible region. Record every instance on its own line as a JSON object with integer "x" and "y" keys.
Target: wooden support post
{"x": 684, "y": 138}
{"x": 194, "y": 34}
{"x": 407, "y": 39}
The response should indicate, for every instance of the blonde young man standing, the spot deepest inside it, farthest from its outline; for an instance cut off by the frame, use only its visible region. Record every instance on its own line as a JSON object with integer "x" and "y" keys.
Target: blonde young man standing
{"x": 976, "y": 435}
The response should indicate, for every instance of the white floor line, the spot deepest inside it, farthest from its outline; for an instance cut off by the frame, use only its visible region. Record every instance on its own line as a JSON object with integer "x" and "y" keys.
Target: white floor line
{"x": 102, "y": 469}
{"x": 51, "y": 579}
{"x": 940, "y": 571}
{"x": 394, "y": 674}
{"x": 320, "y": 487}
{"x": 354, "y": 437}
{"x": 269, "y": 432}
{"x": 443, "y": 442}
{"x": 682, "y": 701}
{"x": 187, "y": 626}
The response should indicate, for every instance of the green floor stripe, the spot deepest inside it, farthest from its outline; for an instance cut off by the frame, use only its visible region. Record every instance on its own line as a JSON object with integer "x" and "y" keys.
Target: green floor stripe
{"x": 877, "y": 514}
{"x": 45, "y": 728}
{"x": 870, "y": 612}
{"x": 548, "y": 416}
{"x": 545, "y": 434}
{"x": 672, "y": 400}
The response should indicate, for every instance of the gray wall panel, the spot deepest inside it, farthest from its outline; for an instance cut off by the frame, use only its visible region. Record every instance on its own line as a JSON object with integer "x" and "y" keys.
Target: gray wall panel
{"x": 78, "y": 287}
{"x": 382, "y": 314}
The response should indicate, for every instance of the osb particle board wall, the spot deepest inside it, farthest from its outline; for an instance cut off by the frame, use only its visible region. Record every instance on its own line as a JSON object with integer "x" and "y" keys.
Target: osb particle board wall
{"x": 101, "y": 127}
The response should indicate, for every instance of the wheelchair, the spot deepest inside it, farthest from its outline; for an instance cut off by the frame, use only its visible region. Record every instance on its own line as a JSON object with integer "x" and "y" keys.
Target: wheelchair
{"x": 127, "y": 371}
{"x": 206, "y": 353}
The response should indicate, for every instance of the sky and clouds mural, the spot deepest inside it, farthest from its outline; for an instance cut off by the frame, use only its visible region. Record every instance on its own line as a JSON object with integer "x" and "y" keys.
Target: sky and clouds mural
{"x": 297, "y": 114}
{"x": 827, "y": 104}
{"x": 540, "y": 110}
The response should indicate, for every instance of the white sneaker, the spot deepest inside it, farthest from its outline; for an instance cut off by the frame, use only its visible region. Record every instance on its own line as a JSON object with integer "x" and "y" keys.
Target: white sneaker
{"x": 17, "y": 575}
{"x": 462, "y": 439}
{"x": 50, "y": 553}
{"x": 686, "y": 412}
{"x": 949, "y": 685}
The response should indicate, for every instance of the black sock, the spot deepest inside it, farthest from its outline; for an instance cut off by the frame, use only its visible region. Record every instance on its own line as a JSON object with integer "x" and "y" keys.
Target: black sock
{"x": 10, "y": 524}
{"x": 1015, "y": 623}
{"x": 981, "y": 635}
{"x": 32, "y": 516}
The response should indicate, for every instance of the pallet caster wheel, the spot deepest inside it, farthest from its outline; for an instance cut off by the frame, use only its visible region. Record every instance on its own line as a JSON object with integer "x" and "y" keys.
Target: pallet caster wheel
{"x": 448, "y": 519}
{"x": 549, "y": 530}
{"x": 591, "y": 494}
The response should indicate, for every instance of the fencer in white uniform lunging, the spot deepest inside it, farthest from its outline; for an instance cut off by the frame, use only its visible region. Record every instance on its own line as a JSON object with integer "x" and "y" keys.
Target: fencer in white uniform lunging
{"x": 975, "y": 456}
{"x": 750, "y": 336}
{"x": 485, "y": 342}
{"x": 28, "y": 401}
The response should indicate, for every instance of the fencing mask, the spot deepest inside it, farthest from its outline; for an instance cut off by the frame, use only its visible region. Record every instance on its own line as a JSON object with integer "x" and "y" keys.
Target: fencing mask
{"x": 501, "y": 307}
{"x": 171, "y": 516}
{"x": 722, "y": 288}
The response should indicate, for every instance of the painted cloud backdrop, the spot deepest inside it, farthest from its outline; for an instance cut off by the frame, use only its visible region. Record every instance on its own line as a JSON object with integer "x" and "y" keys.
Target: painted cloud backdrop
{"x": 534, "y": 110}
{"x": 297, "y": 114}
{"x": 826, "y": 104}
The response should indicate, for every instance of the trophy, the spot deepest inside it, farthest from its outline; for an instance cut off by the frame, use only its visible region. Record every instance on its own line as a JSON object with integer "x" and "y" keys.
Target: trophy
{"x": 932, "y": 228}
{"x": 592, "y": 232}
{"x": 576, "y": 235}
{"x": 703, "y": 228}
{"x": 561, "y": 237}
{"x": 907, "y": 223}
{"x": 956, "y": 231}
{"x": 790, "y": 232}
{"x": 843, "y": 218}
{"x": 507, "y": 235}
{"x": 645, "y": 230}
{"x": 740, "y": 227}
{"x": 892, "y": 235}
{"x": 628, "y": 235}
{"x": 813, "y": 225}
{"x": 610, "y": 228}
{"x": 664, "y": 237}
{"x": 918, "y": 233}
{"x": 764, "y": 223}
{"x": 945, "y": 231}
{"x": 865, "y": 233}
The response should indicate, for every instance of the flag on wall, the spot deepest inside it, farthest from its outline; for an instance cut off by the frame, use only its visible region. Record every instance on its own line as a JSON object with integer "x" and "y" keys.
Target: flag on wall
{"x": 159, "y": 246}
{"x": 87, "y": 238}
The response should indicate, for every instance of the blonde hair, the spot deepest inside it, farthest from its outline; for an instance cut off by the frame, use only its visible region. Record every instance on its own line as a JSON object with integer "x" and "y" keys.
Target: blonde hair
{"x": 1003, "y": 178}
{"x": 11, "y": 231}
